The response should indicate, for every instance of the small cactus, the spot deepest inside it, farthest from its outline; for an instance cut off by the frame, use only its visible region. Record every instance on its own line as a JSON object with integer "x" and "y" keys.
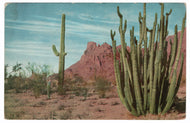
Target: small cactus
{"x": 61, "y": 55}
{"x": 48, "y": 89}
{"x": 148, "y": 83}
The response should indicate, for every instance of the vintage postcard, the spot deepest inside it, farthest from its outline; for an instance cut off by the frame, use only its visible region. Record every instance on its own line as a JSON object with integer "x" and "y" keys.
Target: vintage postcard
{"x": 95, "y": 61}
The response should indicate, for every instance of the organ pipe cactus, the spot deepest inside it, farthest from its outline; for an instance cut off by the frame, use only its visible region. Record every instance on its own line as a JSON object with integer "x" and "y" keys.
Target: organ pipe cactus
{"x": 148, "y": 83}
{"x": 61, "y": 55}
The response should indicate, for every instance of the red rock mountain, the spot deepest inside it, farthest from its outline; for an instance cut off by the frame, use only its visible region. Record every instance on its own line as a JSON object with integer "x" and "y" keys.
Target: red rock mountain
{"x": 97, "y": 60}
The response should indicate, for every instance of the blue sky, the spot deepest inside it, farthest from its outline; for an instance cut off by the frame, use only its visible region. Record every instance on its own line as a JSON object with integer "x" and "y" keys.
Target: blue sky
{"x": 32, "y": 28}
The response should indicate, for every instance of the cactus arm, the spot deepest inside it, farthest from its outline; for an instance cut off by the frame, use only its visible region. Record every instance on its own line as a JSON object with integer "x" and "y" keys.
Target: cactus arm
{"x": 128, "y": 92}
{"x": 122, "y": 73}
{"x": 55, "y": 50}
{"x": 153, "y": 90}
{"x": 180, "y": 74}
{"x": 121, "y": 18}
{"x": 164, "y": 75}
{"x": 129, "y": 97}
{"x": 117, "y": 74}
{"x": 170, "y": 96}
{"x": 123, "y": 45}
{"x": 116, "y": 67}
{"x": 166, "y": 26}
{"x": 125, "y": 61}
{"x": 173, "y": 50}
{"x": 148, "y": 52}
{"x": 135, "y": 74}
{"x": 120, "y": 93}
{"x": 140, "y": 28}
{"x": 172, "y": 87}
{"x": 156, "y": 43}
{"x": 151, "y": 62}
{"x": 150, "y": 40}
{"x": 168, "y": 105}
{"x": 161, "y": 42}
{"x": 64, "y": 54}
{"x": 180, "y": 44}
{"x": 140, "y": 42}
{"x": 145, "y": 58}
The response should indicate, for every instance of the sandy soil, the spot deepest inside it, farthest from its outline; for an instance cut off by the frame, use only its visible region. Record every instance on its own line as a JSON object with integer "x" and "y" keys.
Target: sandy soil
{"x": 26, "y": 106}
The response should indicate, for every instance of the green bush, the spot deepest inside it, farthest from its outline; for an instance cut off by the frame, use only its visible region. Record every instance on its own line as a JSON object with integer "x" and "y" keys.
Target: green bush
{"x": 38, "y": 84}
{"x": 102, "y": 86}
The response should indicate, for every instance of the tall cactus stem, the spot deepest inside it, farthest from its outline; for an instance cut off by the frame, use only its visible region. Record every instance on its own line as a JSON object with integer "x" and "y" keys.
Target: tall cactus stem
{"x": 172, "y": 87}
{"x": 61, "y": 55}
{"x": 137, "y": 86}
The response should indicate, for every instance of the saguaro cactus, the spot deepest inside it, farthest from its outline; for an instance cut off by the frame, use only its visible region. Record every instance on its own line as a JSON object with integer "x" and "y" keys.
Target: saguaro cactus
{"x": 148, "y": 83}
{"x": 61, "y": 54}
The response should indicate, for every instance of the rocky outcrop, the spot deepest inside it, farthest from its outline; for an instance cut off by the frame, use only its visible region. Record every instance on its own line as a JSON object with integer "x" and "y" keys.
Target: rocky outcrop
{"x": 96, "y": 61}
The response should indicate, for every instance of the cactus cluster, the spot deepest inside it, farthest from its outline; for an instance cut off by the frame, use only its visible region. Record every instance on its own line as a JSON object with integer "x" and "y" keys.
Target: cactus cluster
{"x": 146, "y": 76}
{"x": 61, "y": 55}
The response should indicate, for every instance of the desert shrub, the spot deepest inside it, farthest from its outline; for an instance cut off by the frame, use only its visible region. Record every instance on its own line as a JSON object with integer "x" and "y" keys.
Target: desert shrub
{"x": 75, "y": 85}
{"x": 31, "y": 77}
{"x": 17, "y": 83}
{"x": 15, "y": 79}
{"x": 78, "y": 79}
{"x": 102, "y": 86}
{"x": 81, "y": 91}
{"x": 38, "y": 77}
{"x": 38, "y": 84}
{"x": 9, "y": 83}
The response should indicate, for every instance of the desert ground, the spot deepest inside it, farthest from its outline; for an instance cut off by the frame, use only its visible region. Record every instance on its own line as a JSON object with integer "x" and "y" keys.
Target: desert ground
{"x": 69, "y": 106}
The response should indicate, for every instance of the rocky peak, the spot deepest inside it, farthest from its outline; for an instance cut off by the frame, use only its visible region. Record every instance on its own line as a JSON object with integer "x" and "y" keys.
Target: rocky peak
{"x": 91, "y": 46}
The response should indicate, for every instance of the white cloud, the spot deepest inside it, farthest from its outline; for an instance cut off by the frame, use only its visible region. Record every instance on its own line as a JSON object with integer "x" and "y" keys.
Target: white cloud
{"x": 83, "y": 27}
{"x": 47, "y": 18}
{"x": 28, "y": 48}
{"x": 72, "y": 27}
{"x": 101, "y": 19}
{"x": 27, "y": 52}
{"x": 32, "y": 25}
{"x": 27, "y": 45}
